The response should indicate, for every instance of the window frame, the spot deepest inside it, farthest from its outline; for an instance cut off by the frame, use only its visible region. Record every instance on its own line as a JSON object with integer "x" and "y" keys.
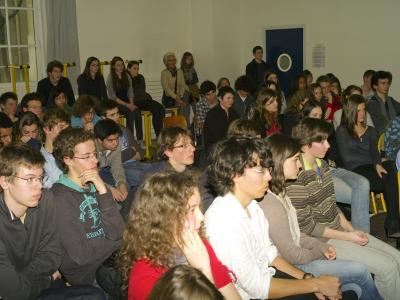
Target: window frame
{"x": 38, "y": 10}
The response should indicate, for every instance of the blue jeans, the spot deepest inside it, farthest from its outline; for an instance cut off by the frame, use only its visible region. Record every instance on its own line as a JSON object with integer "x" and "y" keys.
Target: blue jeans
{"x": 353, "y": 189}
{"x": 353, "y": 275}
{"x": 134, "y": 171}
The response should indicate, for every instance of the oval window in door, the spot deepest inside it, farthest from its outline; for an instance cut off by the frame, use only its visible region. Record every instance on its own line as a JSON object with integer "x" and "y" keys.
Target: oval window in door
{"x": 284, "y": 62}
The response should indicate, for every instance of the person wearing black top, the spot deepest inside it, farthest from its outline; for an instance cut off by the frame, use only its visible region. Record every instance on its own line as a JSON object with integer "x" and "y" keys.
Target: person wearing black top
{"x": 219, "y": 118}
{"x": 257, "y": 67}
{"x": 142, "y": 99}
{"x": 91, "y": 81}
{"x": 54, "y": 78}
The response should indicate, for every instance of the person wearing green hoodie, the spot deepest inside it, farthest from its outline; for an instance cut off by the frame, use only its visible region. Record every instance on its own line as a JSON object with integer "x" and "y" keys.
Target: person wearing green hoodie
{"x": 89, "y": 224}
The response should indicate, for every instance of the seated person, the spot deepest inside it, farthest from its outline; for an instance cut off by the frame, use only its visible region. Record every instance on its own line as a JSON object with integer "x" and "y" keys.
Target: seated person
{"x": 175, "y": 150}
{"x": 107, "y": 134}
{"x": 238, "y": 231}
{"x": 131, "y": 152}
{"x": 88, "y": 222}
{"x": 208, "y": 99}
{"x": 337, "y": 116}
{"x": 119, "y": 87}
{"x": 312, "y": 194}
{"x": 54, "y": 121}
{"x": 142, "y": 99}
{"x": 165, "y": 229}
{"x": 243, "y": 98}
{"x": 57, "y": 98}
{"x": 55, "y": 78}
{"x": 29, "y": 246}
{"x": 6, "y": 130}
{"x": 392, "y": 139}
{"x": 28, "y": 130}
{"x": 175, "y": 90}
{"x": 350, "y": 188}
{"x": 223, "y": 82}
{"x": 264, "y": 112}
{"x": 84, "y": 113}
{"x": 32, "y": 102}
{"x": 293, "y": 113}
{"x": 219, "y": 117}
{"x": 381, "y": 106}
{"x": 358, "y": 148}
{"x": 91, "y": 81}
{"x": 184, "y": 282}
{"x": 8, "y": 104}
{"x": 306, "y": 252}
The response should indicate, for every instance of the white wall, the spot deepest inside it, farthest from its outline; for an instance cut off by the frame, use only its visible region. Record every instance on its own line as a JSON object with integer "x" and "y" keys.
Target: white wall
{"x": 358, "y": 34}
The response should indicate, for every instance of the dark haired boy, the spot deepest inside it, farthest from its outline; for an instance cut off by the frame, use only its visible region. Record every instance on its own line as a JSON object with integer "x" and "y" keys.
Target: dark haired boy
{"x": 6, "y": 130}
{"x": 32, "y": 102}
{"x": 257, "y": 67}
{"x": 88, "y": 221}
{"x": 55, "y": 120}
{"x": 243, "y": 98}
{"x": 381, "y": 106}
{"x": 8, "y": 104}
{"x": 29, "y": 246}
{"x": 208, "y": 99}
{"x": 55, "y": 78}
{"x": 131, "y": 152}
{"x": 238, "y": 230}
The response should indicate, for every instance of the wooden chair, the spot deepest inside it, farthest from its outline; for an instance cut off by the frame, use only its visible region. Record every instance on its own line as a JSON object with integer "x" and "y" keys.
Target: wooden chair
{"x": 175, "y": 121}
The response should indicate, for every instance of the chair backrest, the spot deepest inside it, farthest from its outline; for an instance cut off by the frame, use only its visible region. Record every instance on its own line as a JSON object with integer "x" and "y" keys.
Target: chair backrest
{"x": 175, "y": 121}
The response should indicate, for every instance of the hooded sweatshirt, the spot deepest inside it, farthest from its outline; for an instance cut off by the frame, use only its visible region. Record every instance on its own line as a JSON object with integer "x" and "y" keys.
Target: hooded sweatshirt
{"x": 90, "y": 229}
{"x": 29, "y": 249}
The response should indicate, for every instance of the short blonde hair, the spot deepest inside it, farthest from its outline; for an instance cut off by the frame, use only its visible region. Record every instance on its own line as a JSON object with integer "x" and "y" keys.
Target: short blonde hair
{"x": 166, "y": 55}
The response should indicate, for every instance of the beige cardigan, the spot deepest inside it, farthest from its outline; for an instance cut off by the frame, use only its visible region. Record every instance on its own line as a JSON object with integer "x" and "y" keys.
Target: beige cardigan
{"x": 168, "y": 83}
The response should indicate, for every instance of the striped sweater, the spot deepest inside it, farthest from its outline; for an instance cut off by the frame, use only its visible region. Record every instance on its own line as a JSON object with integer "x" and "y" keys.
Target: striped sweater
{"x": 314, "y": 200}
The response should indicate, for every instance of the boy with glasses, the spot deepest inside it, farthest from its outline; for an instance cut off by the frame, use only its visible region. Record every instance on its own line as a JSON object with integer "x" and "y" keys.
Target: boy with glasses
{"x": 89, "y": 223}
{"x": 29, "y": 247}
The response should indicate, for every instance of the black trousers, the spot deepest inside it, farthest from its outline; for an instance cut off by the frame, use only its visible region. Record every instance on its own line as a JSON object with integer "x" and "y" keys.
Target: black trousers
{"x": 133, "y": 117}
{"x": 157, "y": 111}
{"x": 388, "y": 186}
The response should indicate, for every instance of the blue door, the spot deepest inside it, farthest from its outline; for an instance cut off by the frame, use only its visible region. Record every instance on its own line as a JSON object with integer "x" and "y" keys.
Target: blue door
{"x": 284, "y": 49}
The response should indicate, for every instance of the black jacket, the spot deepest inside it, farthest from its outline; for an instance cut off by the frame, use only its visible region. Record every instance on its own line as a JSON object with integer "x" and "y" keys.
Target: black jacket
{"x": 256, "y": 71}
{"x": 216, "y": 125}
{"x": 90, "y": 229}
{"x": 96, "y": 87}
{"x": 29, "y": 251}
{"x": 45, "y": 86}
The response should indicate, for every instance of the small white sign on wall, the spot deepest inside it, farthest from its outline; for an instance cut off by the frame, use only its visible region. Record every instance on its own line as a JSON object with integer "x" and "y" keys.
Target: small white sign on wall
{"x": 318, "y": 56}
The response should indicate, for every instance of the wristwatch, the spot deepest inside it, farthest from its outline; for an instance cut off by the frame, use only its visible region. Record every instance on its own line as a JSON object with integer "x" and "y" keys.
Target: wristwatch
{"x": 308, "y": 276}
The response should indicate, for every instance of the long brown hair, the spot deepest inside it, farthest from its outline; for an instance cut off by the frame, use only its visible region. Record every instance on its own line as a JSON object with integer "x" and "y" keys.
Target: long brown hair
{"x": 156, "y": 218}
{"x": 119, "y": 83}
{"x": 86, "y": 71}
{"x": 258, "y": 113}
{"x": 350, "y": 112}
{"x": 282, "y": 147}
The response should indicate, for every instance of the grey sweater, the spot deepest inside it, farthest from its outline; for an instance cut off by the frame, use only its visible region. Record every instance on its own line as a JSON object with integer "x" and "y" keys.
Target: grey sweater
{"x": 310, "y": 248}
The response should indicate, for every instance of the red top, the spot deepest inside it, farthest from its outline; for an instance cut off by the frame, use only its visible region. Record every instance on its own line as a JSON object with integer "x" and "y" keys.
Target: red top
{"x": 334, "y": 106}
{"x": 144, "y": 275}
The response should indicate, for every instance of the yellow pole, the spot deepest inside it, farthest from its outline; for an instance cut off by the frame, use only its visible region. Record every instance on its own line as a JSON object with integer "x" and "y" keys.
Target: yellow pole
{"x": 65, "y": 70}
{"x": 26, "y": 78}
{"x": 13, "y": 78}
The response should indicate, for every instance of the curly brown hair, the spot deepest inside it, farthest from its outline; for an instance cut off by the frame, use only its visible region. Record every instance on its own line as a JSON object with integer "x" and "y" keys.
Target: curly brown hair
{"x": 156, "y": 218}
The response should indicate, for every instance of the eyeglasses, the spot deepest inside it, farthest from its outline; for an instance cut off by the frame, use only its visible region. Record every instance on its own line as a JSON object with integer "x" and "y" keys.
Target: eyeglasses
{"x": 88, "y": 157}
{"x": 31, "y": 180}
{"x": 184, "y": 146}
{"x": 262, "y": 170}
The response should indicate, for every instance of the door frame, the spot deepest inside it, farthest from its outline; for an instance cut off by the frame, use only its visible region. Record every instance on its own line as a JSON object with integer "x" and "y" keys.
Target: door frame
{"x": 264, "y": 38}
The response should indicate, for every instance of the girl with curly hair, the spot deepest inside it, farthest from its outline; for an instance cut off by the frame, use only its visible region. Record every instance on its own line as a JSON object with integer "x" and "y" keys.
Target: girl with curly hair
{"x": 164, "y": 229}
